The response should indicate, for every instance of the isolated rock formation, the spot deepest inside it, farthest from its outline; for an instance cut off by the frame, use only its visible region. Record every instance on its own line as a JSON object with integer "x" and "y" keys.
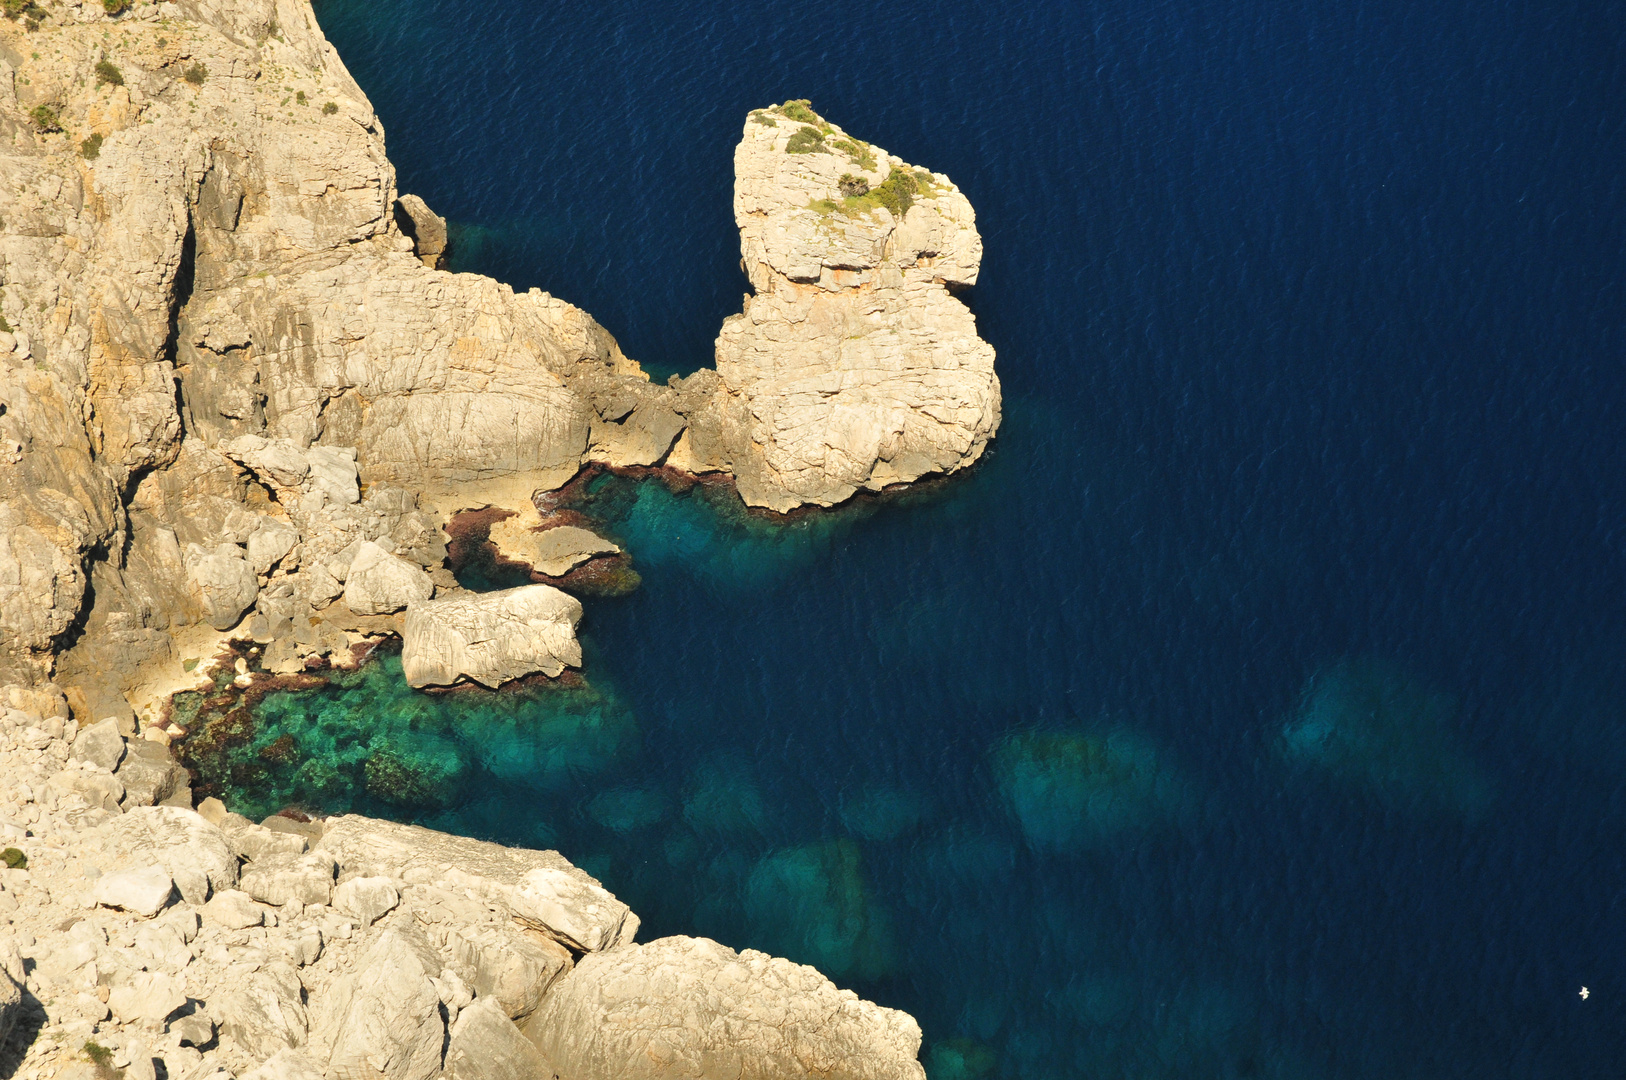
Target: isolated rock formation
{"x": 853, "y": 366}
{"x": 491, "y": 637}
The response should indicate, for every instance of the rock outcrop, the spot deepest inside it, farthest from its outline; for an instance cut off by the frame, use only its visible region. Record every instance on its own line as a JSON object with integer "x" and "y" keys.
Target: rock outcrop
{"x": 687, "y": 1007}
{"x": 227, "y": 360}
{"x": 149, "y": 933}
{"x": 853, "y": 366}
{"x": 491, "y": 638}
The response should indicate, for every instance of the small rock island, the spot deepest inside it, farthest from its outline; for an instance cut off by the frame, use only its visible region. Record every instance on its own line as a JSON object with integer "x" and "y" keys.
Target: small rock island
{"x": 242, "y": 401}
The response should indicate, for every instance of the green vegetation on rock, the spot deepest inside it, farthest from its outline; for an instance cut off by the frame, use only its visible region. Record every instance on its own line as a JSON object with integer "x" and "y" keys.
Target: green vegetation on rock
{"x": 805, "y": 140}
{"x": 45, "y": 119}
{"x": 851, "y": 186}
{"x": 761, "y": 116}
{"x": 115, "y": 7}
{"x": 195, "y": 74}
{"x": 90, "y": 149}
{"x": 329, "y": 108}
{"x": 800, "y": 109}
{"x": 108, "y": 73}
{"x": 860, "y": 154}
{"x": 14, "y": 859}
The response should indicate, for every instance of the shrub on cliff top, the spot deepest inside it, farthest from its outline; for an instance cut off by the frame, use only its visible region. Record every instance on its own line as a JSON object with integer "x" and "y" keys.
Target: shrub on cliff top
{"x": 857, "y": 151}
{"x": 91, "y": 148}
{"x": 14, "y": 859}
{"x": 115, "y": 7}
{"x": 107, "y": 72}
{"x": 800, "y": 109}
{"x": 852, "y": 186}
{"x": 330, "y": 108}
{"x": 45, "y": 119}
{"x": 14, "y": 8}
{"x": 195, "y": 74}
{"x": 763, "y": 118}
{"x": 897, "y": 192}
{"x": 805, "y": 141}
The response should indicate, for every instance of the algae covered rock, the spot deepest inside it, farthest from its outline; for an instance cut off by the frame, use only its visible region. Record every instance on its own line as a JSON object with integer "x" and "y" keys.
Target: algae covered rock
{"x": 491, "y": 638}
{"x": 811, "y": 904}
{"x": 1073, "y": 790}
{"x": 1370, "y": 726}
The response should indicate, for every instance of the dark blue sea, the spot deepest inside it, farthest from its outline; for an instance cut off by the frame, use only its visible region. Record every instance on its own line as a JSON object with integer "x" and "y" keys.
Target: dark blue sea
{"x": 1257, "y": 706}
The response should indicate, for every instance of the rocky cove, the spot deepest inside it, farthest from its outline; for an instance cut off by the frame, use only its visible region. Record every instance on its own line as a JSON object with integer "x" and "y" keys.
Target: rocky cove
{"x": 241, "y": 409}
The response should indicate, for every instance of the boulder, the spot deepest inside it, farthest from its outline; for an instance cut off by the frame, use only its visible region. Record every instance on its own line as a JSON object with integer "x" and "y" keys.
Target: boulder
{"x": 277, "y": 879}
{"x": 146, "y": 995}
{"x": 689, "y": 1007}
{"x": 233, "y": 910}
{"x": 491, "y": 638}
{"x": 366, "y": 899}
{"x": 384, "y": 1019}
{"x": 426, "y": 229}
{"x": 541, "y": 889}
{"x": 485, "y": 1045}
{"x": 195, "y": 1030}
{"x": 143, "y": 892}
{"x": 100, "y": 744}
{"x": 224, "y": 582}
{"x": 252, "y": 842}
{"x": 852, "y": 367}
{"x": 270, "y": 543}
{"x": 504, "y": 964}
{"x": 98, "y": 789}
{"x": 379, "y": 583}
{"x": 150, "y": 774}
{"x": 190, "y": 850}
{"x": 554, "y": 552}
{"x": 263, "y": 1012}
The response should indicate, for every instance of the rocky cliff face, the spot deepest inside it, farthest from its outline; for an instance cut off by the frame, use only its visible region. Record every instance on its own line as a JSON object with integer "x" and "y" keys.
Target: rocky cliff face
{"x": 218, "y": 335}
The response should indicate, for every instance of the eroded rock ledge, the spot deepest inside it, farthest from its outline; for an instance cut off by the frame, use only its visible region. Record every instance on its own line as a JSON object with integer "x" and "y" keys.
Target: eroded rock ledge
{"x": 200, "y": 945}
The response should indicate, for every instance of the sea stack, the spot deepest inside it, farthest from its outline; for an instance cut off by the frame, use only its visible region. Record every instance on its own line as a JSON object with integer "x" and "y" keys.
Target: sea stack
{"x": 853, "y": 365}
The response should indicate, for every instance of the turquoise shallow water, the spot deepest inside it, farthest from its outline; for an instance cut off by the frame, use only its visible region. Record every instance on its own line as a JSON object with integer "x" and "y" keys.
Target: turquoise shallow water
{"x": 1256, "y": 707}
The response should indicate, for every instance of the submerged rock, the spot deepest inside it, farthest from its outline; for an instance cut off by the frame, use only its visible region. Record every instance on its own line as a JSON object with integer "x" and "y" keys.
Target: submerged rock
{"x": 689, "y": 1007}
{"x": 491, "y": 638}
{"x": 1368, "y": 724}
{"x": 1070, "y": 790}
{"x": 811, "y": 904}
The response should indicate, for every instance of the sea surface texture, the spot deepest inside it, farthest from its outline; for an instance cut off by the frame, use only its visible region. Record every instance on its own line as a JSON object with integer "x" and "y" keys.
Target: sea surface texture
{"x": 1257, "y": 706}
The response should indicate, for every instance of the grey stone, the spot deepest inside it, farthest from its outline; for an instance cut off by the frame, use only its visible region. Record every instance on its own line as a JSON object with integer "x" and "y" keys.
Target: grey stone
{"x": 380, "y": 583}
{"x": 194, "y": 1030}
{"x": 505, "y": 964}
{"x": 270, "y": 543}
{"x": 254, "y": 842}
{"x": 100, "y": 744}
{"x": 485, "y": 1045}
{"x": 144, "y": 892}
{"x": 426, "y": 228}
{"x": 367, "y": 899}
{"x": 190, "y": 850}
{"x": 225, "y": 583}
{"x": 492, "y": 637}
{"x": 277, "y": 879}
{"x": 265, "y": 1011}
{"x": 146, "y": 995}
{"x": 233, "y": 910}
{"x": 385, "y": 1016}
{"x": 539, "y": 888}
{"x": 150, "y": 774}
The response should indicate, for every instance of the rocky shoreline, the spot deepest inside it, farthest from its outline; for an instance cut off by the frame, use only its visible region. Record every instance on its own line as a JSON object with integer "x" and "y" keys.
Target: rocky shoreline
{"x": 243, "y": 406}
{"x": 162, "y": 941}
